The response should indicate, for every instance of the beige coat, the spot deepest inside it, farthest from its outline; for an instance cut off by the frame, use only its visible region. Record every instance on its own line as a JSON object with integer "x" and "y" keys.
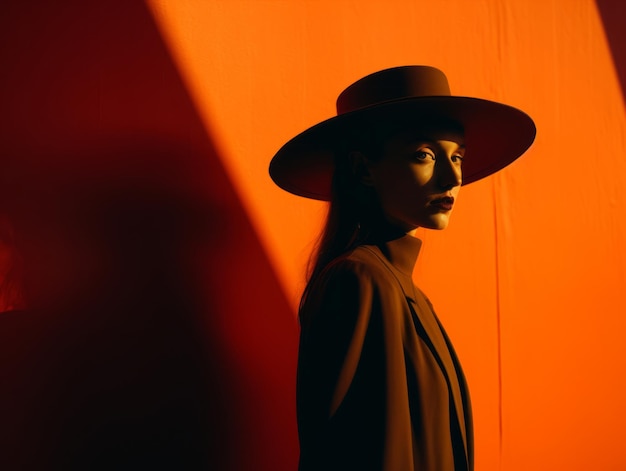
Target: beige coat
{"x": 379, "y": 385}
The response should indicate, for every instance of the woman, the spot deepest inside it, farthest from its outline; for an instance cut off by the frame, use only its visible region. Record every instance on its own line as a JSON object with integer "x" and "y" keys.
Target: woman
{"x": 379, "y": 384}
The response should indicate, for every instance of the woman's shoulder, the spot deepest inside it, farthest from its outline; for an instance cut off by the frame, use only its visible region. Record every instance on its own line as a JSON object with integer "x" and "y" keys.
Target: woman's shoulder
{"x": 353, "y": 282}
{"x": 363, "y": 263}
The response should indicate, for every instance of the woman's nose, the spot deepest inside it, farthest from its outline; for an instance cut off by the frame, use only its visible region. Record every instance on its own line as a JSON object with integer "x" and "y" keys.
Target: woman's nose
{"x": 449, "y": 174}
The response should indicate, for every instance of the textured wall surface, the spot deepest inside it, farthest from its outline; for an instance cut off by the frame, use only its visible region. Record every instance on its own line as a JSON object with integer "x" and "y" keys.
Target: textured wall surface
{"x": 530, "y": 278}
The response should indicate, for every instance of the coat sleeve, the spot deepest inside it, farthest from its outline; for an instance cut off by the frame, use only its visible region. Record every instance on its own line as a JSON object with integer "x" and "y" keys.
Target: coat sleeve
{"x": 342, "y": 370}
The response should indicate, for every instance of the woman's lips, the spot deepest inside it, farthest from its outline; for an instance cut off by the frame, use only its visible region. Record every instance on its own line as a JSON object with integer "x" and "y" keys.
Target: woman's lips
{"x": 444, "y": 204}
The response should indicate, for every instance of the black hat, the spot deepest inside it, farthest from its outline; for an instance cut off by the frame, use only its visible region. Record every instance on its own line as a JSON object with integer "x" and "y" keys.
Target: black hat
{"x": 495, "y": 134}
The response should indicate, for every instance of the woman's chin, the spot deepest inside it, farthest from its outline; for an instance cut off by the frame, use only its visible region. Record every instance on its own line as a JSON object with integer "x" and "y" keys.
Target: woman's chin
{"x": 436, "y": 222}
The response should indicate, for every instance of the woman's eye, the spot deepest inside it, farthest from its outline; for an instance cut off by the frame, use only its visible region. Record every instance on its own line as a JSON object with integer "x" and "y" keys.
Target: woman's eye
{"x": 424, "y": 155}
{"x": 457, "y": 158}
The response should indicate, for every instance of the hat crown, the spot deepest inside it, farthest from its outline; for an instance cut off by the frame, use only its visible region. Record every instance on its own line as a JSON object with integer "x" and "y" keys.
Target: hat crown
{"x": 393, "y": 84}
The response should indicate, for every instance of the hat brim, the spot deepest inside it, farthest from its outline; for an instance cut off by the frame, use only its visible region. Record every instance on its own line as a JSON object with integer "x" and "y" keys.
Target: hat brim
{"x": 495, "y": 136}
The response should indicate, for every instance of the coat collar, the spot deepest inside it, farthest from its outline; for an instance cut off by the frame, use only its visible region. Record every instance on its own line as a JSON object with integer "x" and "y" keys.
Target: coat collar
{"x": 399, "y": 248}
{"x": 402, "y": 252}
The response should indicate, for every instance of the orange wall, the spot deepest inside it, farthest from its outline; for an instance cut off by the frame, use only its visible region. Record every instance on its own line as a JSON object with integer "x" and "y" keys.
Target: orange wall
{"x": 530, "y": 279}
{"x": 192, "y": 98}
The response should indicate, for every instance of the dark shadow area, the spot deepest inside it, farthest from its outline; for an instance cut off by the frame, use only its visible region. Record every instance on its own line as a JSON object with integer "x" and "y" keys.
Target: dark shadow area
{"x": 613, "y": 13}
{"x": 151, "y": 331}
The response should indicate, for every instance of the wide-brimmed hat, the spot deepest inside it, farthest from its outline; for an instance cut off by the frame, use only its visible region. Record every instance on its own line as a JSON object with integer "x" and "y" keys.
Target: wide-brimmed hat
{"x": 495, "y": 134}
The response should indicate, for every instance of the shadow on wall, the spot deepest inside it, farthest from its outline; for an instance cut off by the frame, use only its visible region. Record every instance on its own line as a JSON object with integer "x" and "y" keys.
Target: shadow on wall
{"x": 613, "y": 14}
{"x": 154, "y": 334}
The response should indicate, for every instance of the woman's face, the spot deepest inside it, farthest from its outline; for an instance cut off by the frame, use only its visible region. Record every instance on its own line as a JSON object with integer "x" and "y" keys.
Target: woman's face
{"x": 418, "y": 177}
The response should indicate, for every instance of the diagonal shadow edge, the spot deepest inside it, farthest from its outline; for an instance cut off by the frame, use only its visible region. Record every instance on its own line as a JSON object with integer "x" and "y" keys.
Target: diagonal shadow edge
{"x": 101, "y": 75}
{"x": 613, "y": 13}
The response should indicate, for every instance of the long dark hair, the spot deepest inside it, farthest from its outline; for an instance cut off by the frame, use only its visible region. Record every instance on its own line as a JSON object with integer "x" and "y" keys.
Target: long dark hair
{"x": 353, "y": 212}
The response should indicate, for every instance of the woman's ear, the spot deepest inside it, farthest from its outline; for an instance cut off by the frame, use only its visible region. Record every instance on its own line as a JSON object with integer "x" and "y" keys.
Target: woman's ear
{"x": 359, "y": 166}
